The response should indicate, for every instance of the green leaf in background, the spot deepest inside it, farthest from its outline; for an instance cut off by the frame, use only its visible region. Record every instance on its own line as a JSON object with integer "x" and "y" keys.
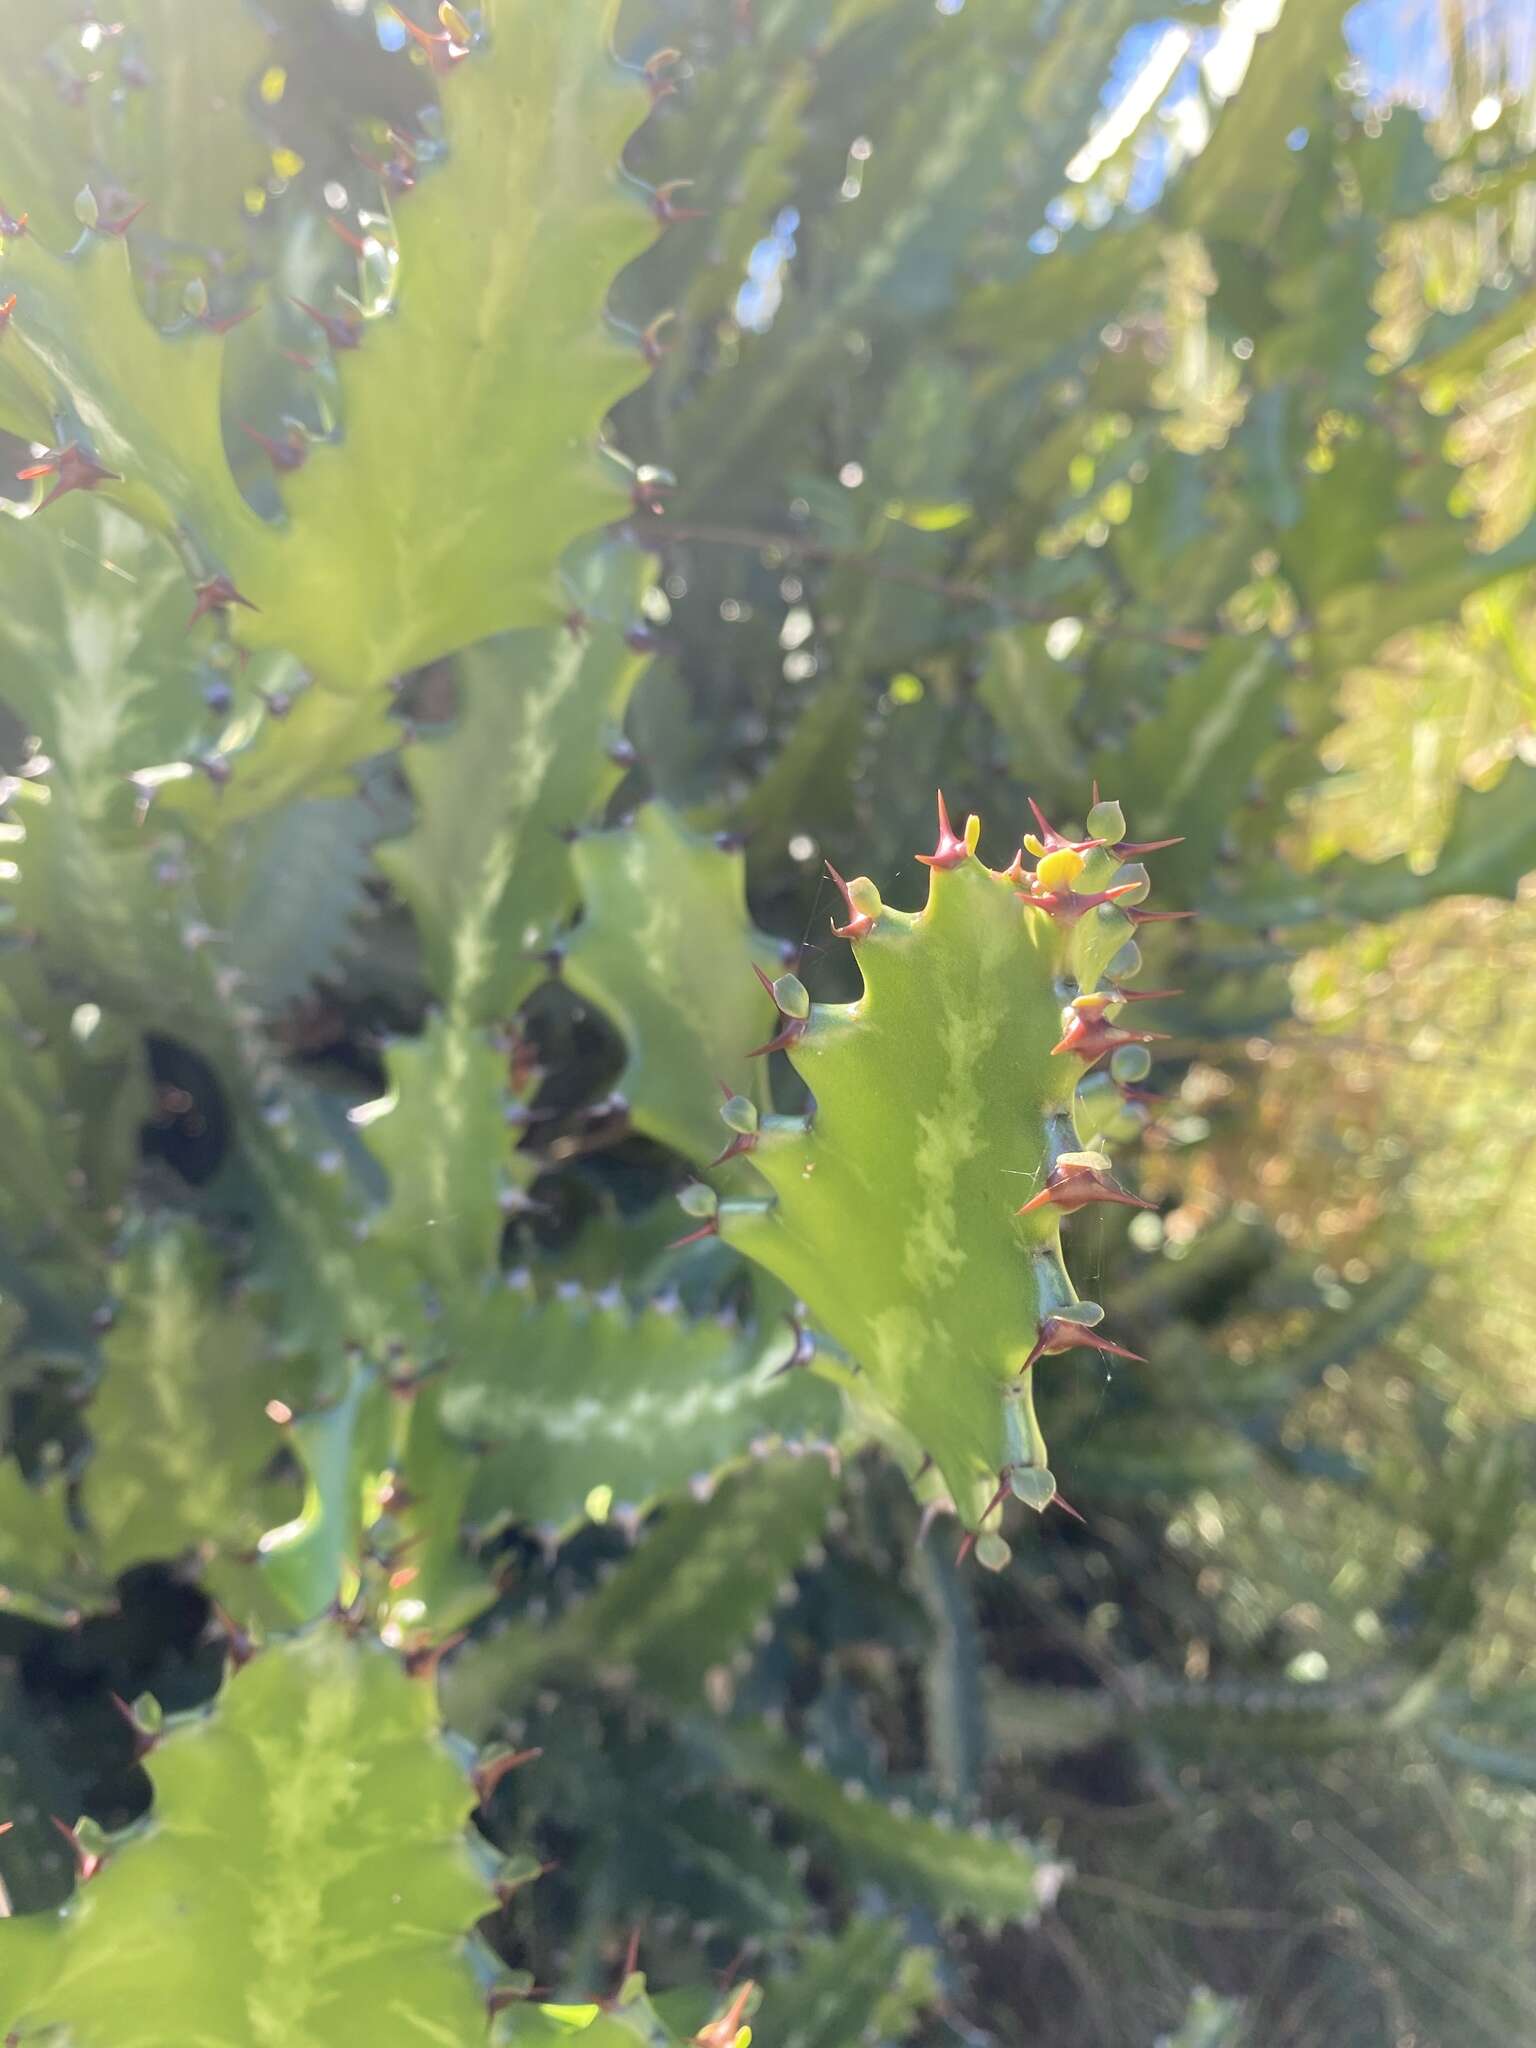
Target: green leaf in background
{"x": 426, "y": 527}
{"x": 666, "y": 948}
{"x": 1490, "y": 848}
{"x": 181, "y": 1444}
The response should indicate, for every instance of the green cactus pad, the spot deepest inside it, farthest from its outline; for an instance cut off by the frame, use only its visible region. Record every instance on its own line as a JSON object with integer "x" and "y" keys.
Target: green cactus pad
{"x": 701, "y": 1580}
{"x": 180, "y": 1447}
{"x": 667, "y": 949}
{"x": 944, "y": 1104}
{"x": 305, "y": 1877}
{"x": 486, "y": 867}
{"x": 584, "y": 1406}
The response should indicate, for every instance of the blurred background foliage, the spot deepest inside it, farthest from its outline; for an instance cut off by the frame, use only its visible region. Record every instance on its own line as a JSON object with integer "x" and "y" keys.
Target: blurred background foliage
{"x": 1019, "y": 413}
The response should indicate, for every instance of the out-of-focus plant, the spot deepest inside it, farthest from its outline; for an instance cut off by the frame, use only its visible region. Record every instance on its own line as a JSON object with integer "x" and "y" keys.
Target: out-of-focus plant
{"x": 523, "y": 502}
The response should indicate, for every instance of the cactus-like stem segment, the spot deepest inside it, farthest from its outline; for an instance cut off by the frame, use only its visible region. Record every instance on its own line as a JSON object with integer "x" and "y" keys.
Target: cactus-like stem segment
{"x": 941, "y": 1096}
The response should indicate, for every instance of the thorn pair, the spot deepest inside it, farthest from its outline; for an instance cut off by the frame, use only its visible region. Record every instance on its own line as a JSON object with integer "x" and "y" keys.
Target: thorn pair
{"x": 1066, "y": 906}
{"x": 341, "y": 330}
{"x": 863, "y": 901}
{"x": 1052, "y": 841}
{"x": 288, "y": 451}
{"x": 1004, "y": 1488}
{"x": 666, "y": 208}
{"x": 486, "y": 1776}
{"x": 1088, "y": 1031}
{"x": 1076, "y": 1180}
{"x": 73, "y": 470}
{"x": 1062, "y": 1333}
{"x": 445, "y": 47}
{"x": 216, "y": 594}
{"x": 87, "y": 1861}
{"x": 789, "y": 998}
{"x": 739, "y": 1114}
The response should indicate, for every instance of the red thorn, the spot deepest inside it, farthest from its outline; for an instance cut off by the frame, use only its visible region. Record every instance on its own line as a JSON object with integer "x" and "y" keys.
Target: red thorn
{"x": 1061, "y": 1333}
{"x": 1090, "y": 1035}
{"x": 87, "y": 1864}
{"x": 722, "y": 2032}
{"x": 486, "y": 1777}
{"x": 1071, "y": 1185}
{"x": 709, "y": 1229}
{"x": 664, "y": 208}
{"x": 238, "y": 1646}
{"x": 1129, "y": 849}
{"x": 949, "y": 851}
{"x": 1067, "y": 906}
{"x": 1140, "y": 995}
{"x": 291, "y": 452}
{"x": 7, "y": 308}
{"x": 120, "y": 223}
{"x": 652, "y": 347}
{"x": 794, "y": 1030}
{"x": 804, "y": 1349}
{"x": 439, "y": 49}
{"x": 1054, "y": 841}
{"x": 226, "y": 321}
{"x": 626, "y": 1969}
{"x": 11, "y": 224}
{"x": 767, "y": 981}
{"x": 143, "y": 1740}
{"x": 423, "y": 1661}
{"x": 353, "y": 241}
{"x": 968, "y": 1541}
{"x": 400, "y": 172}
{"x": 1058, "y": 1500}
{"x": 660, "y": 88}
{"x": 741, "y": 1143}
{"x": 217, "y": 594}
{"x": 74, "y": 469}
{"x": 6, "y": 1826}
{"x": 1158, "y": 916}
{"x": 342, "y": 330}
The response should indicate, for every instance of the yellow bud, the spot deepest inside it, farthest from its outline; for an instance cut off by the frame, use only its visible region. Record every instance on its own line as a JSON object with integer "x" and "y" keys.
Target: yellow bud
{"x": 1059, "y": 870}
